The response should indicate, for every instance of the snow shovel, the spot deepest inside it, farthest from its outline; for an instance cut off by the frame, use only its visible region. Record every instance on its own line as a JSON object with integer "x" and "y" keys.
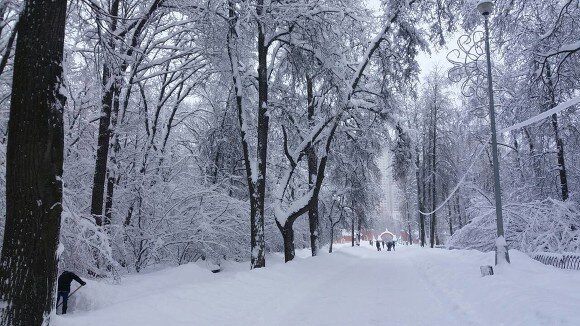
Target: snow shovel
{"x": 70, "y": 295}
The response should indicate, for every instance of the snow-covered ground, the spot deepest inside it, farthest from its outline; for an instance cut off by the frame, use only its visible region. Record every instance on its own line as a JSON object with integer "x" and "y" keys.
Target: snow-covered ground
{"x": 352, "y": 286}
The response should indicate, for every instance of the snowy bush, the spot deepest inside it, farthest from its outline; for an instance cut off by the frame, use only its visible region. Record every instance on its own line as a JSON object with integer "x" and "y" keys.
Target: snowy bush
{"x": 185, "y": 221}
{"x": 86, "y": 247}
{"x": 548, "y": 226}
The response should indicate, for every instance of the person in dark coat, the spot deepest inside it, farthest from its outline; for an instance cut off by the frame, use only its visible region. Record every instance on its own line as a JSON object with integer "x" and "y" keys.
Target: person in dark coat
{"x": 378, "y": 245}
{"x": 383, "y": 244}
{"x": 389, "y": 244}
{"x": 393, "y": 245}
{"x": 64, "y": 281}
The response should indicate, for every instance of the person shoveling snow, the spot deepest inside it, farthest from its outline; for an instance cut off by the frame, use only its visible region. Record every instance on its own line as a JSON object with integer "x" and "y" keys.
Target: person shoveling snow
{"x": 64, "y": 281}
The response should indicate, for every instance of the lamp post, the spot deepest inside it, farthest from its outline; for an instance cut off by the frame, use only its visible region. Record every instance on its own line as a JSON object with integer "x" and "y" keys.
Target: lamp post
{"x": 501, "y": 251}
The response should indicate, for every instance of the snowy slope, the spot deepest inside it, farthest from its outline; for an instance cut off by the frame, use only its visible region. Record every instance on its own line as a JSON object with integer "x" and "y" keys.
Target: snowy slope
{"x": 412, "y": 286}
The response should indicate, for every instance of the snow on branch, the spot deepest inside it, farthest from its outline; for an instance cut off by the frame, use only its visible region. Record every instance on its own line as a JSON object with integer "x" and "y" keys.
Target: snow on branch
{"x": 544, "y": 115}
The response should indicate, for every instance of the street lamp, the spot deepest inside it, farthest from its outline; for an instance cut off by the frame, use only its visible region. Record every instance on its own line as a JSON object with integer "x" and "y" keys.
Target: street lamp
{"x": 501, "y": 251}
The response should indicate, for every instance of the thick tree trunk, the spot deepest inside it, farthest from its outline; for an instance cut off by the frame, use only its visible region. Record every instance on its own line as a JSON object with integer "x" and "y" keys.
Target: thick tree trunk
{"x": 288, "y": 236}
{"x": 98, "y": 191}
{"x": 256, "y": 188}
{"x": 111, "y": 93}
{"x": 258, "y": 258}
{"x": 112, "y": 165}
{"x": 331, "y": 238}
{"x": 34, "y": 163}
{"x": 313, "y": 218}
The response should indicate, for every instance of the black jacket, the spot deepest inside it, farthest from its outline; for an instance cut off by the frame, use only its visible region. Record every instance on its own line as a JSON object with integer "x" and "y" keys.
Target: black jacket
{"x": 65, "y": 279}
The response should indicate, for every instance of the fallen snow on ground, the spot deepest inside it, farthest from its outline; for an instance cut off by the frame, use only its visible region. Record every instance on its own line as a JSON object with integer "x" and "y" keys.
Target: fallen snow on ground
{"x": 352, "y": 286}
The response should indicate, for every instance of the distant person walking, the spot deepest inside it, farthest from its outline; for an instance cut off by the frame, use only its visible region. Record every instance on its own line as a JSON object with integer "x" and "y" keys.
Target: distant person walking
{"x": 64, "y": 281}
{"x": 393, "y": 245}
{"x": 378, "y": 245}
{"x": 389, "y": 245}
{"x": 383, "y": 243}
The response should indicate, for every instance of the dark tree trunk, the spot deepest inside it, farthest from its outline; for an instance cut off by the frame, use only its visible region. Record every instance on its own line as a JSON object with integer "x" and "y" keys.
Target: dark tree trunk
{"x": 358, "y": 229}
{"x": 257, "y": 240}
{"x": 34, "y": 161}
{"x": 109, "y": 200}
{"x": 561, "y": 161}
{"x": 256, "y": 188}
{"x": 333, "y": 224}
{"x": 450, "y": 219}
{"x": 112, "y": 165}
{"x": 420, "y": 202}
{"x": 410, "y": 240}
{"x": 110, "y": 93}
{"x": 559, "y": 142}
{"x": 352, "y": 231}
{"x": 98, "y": 191}
{"x": 288, "y": 236}
{"x": 313, "y": 218}
{"x": 422, "y": 227}
{"x": 286, "y": 230}
{"x": 331, "y": 238}
{"x": 458, "y": 209}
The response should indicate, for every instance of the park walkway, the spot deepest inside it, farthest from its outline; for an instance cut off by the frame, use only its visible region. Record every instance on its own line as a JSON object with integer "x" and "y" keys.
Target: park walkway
{"x": 352, "y": 286}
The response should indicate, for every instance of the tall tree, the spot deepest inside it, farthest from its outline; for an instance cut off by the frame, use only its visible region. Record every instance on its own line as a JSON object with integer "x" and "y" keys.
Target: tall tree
{"x": 255, "y": 167}
{"x": 34, "y": 168}
{"x": 119, "y": 47}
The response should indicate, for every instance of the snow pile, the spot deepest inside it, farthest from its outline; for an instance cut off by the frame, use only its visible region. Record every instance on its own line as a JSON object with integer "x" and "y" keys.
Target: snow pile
{"x": 353, "y": 286}
{"x": 103, "y": 294}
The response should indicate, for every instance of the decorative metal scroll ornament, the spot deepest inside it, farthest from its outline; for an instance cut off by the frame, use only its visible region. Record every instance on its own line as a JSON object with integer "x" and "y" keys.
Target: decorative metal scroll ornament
{"x": 469, "y": 66}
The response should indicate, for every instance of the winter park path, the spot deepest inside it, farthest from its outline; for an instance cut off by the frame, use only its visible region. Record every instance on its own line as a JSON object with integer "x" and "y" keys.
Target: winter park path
{"x": 352, "y": 286}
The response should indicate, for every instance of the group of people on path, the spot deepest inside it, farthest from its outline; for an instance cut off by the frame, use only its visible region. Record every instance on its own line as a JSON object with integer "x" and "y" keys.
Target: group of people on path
{"x": 390, "y": 244}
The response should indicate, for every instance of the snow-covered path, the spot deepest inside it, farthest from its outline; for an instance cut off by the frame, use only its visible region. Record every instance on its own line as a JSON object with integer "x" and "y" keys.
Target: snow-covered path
{"x": 353, "y": 286}
{"x": 383, "y": 287}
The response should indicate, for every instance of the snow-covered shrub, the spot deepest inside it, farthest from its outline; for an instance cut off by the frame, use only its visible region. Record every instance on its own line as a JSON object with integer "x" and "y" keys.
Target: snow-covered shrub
{"x": 548, "y": 225}
{"x": 86, "y": 248}
{"x": 183, "y": 219}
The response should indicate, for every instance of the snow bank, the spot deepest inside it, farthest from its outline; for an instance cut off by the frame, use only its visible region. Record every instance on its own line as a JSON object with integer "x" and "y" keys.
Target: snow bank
{"x": 353, "y": 286}
{"x": 101, "y": 294}
{"x": 525, "y": 292}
